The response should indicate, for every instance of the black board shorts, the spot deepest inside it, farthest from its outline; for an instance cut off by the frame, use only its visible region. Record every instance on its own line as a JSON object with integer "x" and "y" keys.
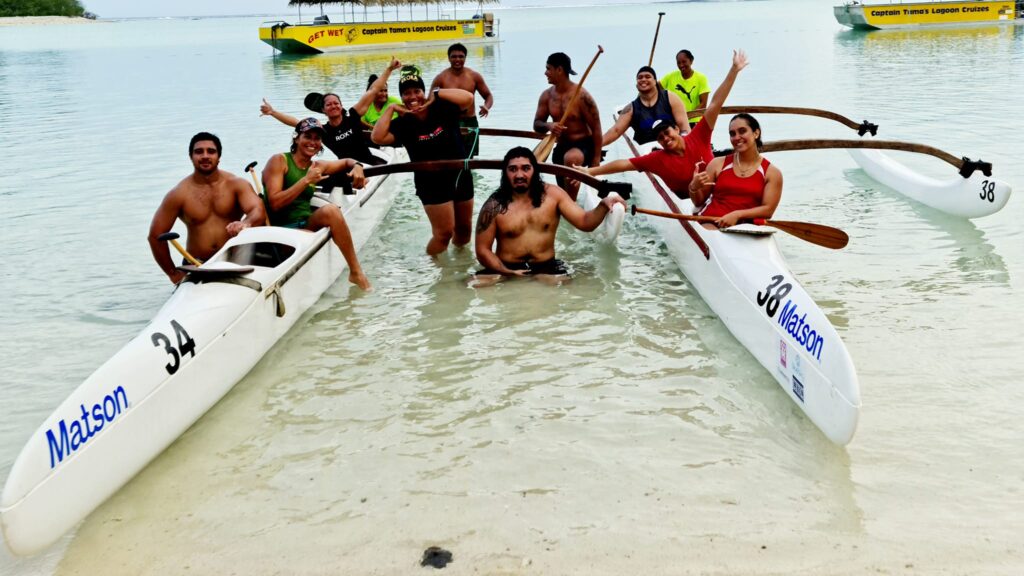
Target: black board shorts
{"x": 440, "y": 187}
{"x": 554, "y": 267}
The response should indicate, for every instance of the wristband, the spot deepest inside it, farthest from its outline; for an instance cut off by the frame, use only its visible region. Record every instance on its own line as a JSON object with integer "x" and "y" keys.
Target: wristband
{"x": 436, "y": 91}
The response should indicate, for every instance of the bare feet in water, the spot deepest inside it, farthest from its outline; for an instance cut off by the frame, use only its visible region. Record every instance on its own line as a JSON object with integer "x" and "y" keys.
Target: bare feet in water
{"x": 360, "y": 279}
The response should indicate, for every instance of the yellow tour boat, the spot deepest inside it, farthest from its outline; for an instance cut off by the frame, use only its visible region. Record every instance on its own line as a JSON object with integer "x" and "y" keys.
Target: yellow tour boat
{"x": 920, "y": 14}
{"x": 321, "y": 35}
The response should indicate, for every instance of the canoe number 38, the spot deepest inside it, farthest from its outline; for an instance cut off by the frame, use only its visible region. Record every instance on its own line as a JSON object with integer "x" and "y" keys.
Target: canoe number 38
{"x": 186, "y": 345}
{"x": 988, "y": 191}
{"x": 773, "y": 295}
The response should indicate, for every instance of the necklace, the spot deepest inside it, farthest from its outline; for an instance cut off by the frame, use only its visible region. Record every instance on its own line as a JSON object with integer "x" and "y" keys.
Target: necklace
{"x": 741, "y": 170}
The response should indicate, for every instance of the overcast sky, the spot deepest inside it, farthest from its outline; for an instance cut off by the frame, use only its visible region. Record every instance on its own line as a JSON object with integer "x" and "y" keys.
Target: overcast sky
{"x": 140, "y": 8}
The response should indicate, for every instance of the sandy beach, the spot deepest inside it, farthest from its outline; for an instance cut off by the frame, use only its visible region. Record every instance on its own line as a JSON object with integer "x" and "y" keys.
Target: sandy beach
{"x": 43, "y": 20}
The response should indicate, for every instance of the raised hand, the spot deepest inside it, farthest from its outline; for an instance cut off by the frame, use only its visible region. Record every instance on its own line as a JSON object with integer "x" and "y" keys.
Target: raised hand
{"x": 266, "y": 109}
{"x": 394, "y": 65}
{"x": 739, "y": 60}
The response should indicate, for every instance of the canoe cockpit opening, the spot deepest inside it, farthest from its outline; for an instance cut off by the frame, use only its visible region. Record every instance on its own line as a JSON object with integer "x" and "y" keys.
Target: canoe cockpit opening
{"x": 266, "y": 254}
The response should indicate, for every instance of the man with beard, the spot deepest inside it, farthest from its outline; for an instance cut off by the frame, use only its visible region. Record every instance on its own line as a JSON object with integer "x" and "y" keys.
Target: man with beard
{"x": 579, "y": 135}
{"x": 214, "y": 205}
{"x": 290, "y": 180}
{"x": 523, "y": 216}
{"x": 458, "y": 76}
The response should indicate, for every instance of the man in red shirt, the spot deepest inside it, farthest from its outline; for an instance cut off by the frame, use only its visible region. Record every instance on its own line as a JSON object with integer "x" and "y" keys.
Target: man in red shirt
{"x": 680, "y": 155}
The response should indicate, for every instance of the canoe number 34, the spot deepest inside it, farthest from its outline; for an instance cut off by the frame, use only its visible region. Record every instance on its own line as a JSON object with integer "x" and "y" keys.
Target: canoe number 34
{"x": 186, "y": 345}
{"x": 988, "y": 191}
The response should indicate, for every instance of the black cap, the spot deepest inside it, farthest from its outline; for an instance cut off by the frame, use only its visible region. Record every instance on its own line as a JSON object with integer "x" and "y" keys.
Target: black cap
{"x": 561, "y": 60}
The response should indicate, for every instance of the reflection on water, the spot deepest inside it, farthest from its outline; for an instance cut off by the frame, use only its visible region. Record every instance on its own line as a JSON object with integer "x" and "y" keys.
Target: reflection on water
{"x": 341, "y": 71}
{"x": 975, "y": 257}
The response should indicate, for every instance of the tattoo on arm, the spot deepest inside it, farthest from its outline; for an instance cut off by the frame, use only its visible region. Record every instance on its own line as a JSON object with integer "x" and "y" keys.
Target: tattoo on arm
{"x": 488, "y": 213}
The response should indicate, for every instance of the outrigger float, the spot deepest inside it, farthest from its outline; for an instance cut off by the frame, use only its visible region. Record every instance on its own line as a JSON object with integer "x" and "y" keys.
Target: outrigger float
{"x": 928, "y": 14}
{"x": 219, "y": 322}
{"x": 324, "y": 36}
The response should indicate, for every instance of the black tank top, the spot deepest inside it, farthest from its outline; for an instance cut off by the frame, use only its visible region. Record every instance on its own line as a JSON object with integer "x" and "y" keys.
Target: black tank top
{"x": 346, "y": 139}
{"x": 644, "y": 116}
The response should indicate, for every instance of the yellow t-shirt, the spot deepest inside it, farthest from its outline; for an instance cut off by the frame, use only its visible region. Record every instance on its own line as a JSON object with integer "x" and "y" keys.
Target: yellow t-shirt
{"x": 689, "y": 90}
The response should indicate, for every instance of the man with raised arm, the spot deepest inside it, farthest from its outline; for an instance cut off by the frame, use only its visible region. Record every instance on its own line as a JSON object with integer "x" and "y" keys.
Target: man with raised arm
{"x": 680, "y": 156}
{"x": 522, "y": 218}
{"x": 458, "y": 76}
{"x": 214, "y": 205}
{"x": 579, "y": 135}
{"x": 652, "y": 104}
{"x": 290, "y": 179}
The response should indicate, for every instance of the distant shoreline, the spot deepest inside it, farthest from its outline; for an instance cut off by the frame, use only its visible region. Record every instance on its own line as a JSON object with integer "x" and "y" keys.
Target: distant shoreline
{"x": 43, "y": 20}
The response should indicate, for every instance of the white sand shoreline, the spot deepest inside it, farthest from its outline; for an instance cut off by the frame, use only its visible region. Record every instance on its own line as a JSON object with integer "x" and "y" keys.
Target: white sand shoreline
{"x": 43, "y": 20}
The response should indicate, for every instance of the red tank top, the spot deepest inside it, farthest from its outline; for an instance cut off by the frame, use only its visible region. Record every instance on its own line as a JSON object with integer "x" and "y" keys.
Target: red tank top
{"x": 734, "y": 193}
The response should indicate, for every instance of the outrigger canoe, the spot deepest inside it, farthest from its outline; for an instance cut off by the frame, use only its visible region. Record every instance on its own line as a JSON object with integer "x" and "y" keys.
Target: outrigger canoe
{"x": 744, "y": 278}
{"x": 215, "y": 327}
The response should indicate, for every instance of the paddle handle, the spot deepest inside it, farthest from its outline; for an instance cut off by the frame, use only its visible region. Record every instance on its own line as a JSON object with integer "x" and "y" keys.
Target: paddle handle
{"x": 650, "y": 61}
{"x": 185, "y": 253}
{"x": 255, "y": 182}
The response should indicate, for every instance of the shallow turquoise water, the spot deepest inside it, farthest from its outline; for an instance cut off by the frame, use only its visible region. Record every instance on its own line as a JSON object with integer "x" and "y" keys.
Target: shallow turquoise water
{"x": 524, "y": 428}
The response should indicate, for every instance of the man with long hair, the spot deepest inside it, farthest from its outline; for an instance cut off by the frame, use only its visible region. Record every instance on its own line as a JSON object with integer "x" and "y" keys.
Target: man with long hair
{"x": 522, "y": 217}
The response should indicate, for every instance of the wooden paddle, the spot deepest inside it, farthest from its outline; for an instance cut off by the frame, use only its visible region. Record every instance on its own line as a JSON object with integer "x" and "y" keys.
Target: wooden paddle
{"x": 965, "y": 165}
{"x": 819, "y": 234}
{"x": 172, "y": 237}
{"x": 650, "y": 61}
{"x": 543, "y": 150}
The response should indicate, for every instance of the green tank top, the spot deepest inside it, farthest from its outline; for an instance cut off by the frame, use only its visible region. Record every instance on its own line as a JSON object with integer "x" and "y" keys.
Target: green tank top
{"x": 299, "y": 211}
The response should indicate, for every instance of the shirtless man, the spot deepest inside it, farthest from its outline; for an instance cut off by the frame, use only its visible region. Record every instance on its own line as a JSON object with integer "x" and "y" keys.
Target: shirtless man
{"x": 458, "y": 76}
{"x": 523, "y": 217}
{"x": 579, "y": 141}
{"x": 214, "y": 205}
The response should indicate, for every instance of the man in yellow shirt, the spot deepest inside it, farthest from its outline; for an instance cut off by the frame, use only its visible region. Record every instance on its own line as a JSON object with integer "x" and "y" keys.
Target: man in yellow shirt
{"x": 691, "y": 86}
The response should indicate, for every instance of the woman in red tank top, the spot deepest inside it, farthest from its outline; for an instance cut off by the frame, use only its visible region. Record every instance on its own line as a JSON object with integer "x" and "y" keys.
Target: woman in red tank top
{"x": 743, "y": 186}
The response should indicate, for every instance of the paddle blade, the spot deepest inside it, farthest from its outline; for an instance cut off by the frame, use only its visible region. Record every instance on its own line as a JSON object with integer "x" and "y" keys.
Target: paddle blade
{"x": 543, "y": 150}
{"x": 314, "y": 101}
{"x": 819, "y": 234}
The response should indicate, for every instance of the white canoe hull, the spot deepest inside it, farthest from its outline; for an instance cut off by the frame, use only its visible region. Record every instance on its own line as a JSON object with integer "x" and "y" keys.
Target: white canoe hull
{"x": 745, "y": 280}
{"x": 204, "y": 340}
{"x": 972, "y": 197}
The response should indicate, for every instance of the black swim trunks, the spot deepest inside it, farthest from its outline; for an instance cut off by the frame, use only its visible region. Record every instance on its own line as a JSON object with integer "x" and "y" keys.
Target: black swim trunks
{"x": 554, "y": 267}
{"x": 441, "y": 187}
